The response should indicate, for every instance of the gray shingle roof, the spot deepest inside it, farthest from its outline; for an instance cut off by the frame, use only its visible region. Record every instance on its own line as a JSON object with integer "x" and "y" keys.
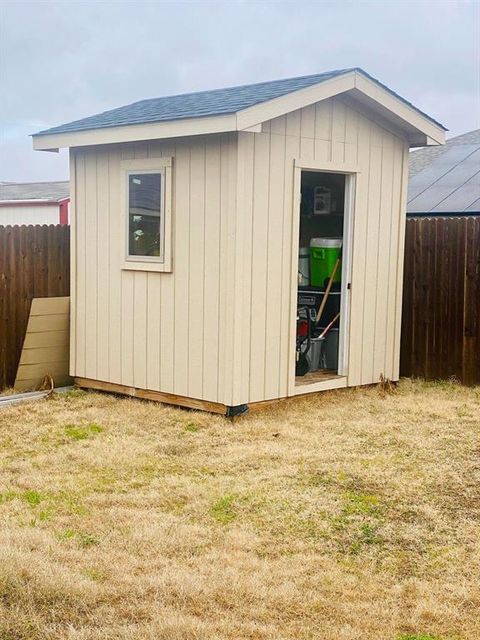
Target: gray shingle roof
{"x": 53, "y": 191}
{"x": 446, "y": 179}
{"x": 203, "y": 103}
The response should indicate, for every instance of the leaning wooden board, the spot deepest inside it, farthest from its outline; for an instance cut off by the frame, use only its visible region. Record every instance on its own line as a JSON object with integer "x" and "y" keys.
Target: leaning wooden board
{"x": 45, "y": 349}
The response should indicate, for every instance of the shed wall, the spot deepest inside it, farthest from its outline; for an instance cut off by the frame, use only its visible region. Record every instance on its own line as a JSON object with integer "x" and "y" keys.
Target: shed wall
{"x": 219, "y": 326}
{"x": 160, "y": 331}
{"x": 331, "y": 132}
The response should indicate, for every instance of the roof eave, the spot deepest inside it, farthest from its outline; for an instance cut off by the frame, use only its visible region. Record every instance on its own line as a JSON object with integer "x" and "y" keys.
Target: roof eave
{"x": 30, "y": 202}
{"x": 417, "y": 128}
{"x": 406, "y": 115}
{"x": 136, "y": 132}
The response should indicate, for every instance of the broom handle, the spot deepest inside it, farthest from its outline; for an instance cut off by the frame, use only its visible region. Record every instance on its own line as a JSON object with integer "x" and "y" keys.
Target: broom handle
{"x": 328, "y": 327}
{"x": 327, "y": 291}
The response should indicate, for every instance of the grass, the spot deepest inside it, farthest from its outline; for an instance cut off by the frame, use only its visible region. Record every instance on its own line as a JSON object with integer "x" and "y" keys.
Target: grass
{"x": 82, "y": 432}
{"x": 348, "y": 515}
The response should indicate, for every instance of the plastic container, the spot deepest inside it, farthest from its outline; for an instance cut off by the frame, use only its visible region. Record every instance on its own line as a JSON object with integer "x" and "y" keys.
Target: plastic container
{"x": 314, "y": 354}
{"x": 304, "y": 266}
{"x": 330, "y": 350}
{"x": 324, "y": 253}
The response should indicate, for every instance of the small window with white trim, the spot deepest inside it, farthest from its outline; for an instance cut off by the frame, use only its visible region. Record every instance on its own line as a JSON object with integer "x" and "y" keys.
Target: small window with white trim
{"x": 148, "y": 214}
{"x": 145, "y": 215}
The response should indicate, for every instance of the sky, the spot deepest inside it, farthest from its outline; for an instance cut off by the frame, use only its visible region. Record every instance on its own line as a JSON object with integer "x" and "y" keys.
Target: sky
{"x": 60, "y": 61}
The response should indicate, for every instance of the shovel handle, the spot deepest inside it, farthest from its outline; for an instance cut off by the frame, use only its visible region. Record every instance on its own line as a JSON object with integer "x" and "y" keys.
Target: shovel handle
{"x": 329, "y": 326}
{"x": 327, "y": 291}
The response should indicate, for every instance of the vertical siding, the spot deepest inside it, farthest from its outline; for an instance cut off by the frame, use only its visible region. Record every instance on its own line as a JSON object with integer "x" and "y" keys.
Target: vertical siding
{"x": 103, "y": 239}
{"x": 330, "y": 131}
{"x": 77, "y": 275}
{"x": 161, "y": 331}
{"x": 218, "y": 326}
{"x": 212, "y": 265}
{"x": 73, "y": 259}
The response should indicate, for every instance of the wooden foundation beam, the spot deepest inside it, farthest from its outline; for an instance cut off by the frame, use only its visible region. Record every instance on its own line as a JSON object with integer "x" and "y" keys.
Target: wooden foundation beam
{"x": 156, "y": 396}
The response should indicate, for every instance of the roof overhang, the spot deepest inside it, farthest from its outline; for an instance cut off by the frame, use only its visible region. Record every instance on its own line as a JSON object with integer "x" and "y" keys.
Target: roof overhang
{"x": 33, "y": 202}
{"x": 404, "y": 119}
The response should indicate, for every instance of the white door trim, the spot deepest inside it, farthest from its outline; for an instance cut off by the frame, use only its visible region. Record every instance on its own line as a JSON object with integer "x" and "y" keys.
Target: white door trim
{"x": 349, "y": 213}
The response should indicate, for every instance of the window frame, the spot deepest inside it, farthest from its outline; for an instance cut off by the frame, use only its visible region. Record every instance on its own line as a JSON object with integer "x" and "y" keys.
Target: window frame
{"x": 163, "y": 167}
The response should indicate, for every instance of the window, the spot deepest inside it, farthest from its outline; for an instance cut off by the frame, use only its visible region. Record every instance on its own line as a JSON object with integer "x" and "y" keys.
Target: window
{"x": 145, "y": 214}
{"x": 147, "y": 237}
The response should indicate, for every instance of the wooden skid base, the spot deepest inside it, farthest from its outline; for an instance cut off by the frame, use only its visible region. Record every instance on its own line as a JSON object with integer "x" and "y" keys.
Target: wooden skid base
{"x": 156, "y": 396}
{"x": 194, "y": 403}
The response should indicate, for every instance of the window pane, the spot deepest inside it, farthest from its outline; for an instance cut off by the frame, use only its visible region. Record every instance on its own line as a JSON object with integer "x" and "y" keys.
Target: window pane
{"x": 144, "y": 211}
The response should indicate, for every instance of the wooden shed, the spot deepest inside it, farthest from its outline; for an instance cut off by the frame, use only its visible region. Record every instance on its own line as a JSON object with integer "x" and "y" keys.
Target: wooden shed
{"x": 206, "y": 229}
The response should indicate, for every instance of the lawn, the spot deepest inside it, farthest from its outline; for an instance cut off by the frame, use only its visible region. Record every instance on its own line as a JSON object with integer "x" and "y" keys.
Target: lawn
{"x": 348, "y": 515}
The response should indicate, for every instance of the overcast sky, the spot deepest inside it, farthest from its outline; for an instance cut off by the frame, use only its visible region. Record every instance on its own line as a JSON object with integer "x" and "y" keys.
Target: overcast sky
{"x": 64, "y": 60}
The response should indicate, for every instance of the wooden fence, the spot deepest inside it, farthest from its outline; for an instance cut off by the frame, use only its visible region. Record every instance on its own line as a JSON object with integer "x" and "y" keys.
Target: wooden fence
{"x": 441, "y": 299}
{"x": 34, "y": 263}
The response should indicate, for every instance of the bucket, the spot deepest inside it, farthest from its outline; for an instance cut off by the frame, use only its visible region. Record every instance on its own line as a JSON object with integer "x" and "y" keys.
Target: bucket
{"x": 304, "y": 266}
{"x": 315, "y": 353}
{"x": 330, "y": 350}
{"x": 324, "y": 253}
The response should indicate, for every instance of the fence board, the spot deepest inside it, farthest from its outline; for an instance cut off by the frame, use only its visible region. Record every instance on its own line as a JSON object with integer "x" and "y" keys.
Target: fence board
{"x": 34, "y": 263}
{"x": 441, "y": 299}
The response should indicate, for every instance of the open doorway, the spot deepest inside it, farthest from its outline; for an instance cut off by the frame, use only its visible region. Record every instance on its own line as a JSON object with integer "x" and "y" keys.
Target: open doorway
{"x": 321, "y": 277}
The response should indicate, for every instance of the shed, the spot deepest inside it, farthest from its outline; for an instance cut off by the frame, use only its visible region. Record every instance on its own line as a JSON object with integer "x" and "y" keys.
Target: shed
{"x": 189, "y": 214}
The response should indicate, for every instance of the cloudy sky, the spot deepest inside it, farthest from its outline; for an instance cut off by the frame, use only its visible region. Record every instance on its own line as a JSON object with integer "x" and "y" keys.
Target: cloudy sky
{"x": 64, "y": 60}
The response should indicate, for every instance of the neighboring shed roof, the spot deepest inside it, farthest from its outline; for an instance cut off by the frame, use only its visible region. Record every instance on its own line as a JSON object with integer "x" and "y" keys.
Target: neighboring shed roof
{"x": 446, "y": 179}
{"x": 206, "y": 103}
{"x": 44, "y": 191}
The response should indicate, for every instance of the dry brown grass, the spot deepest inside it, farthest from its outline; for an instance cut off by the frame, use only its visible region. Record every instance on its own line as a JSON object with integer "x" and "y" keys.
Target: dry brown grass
{"x": 342, "y": 516}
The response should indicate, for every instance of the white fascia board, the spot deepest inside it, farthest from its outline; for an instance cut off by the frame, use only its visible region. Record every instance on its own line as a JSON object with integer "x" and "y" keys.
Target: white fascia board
{"x": 136, "y": 132}
{"x": 399, "y": 108}
{"x": 32, "y": 201}
{"x": 265, "y": 111}
{"x": 430, "y": 133}
{"x": 250, "y": 119}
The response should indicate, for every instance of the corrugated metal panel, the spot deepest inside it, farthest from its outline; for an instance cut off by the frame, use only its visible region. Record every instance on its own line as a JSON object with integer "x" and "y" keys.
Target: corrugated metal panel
{"x": 475, "y": 206}
{"x": 462, "y": 197}
{"x": 451, "y": 177}
{"x": 421, "y": 158}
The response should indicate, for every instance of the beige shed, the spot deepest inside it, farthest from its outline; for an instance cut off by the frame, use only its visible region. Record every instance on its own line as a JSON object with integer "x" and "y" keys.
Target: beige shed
{"x": 208, "y": 230}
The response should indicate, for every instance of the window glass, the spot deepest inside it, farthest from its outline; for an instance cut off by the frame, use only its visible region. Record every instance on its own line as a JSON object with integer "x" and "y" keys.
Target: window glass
{"x": 144, "y": 214}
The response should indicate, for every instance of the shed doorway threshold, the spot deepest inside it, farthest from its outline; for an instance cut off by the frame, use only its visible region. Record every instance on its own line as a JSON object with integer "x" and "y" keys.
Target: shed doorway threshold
{"x": 321, "y": 380}
{"x": 315, "y": 376}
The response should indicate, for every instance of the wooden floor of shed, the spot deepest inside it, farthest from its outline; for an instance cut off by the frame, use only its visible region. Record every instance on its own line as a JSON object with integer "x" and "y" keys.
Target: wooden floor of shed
{"x": 316, "y": 376}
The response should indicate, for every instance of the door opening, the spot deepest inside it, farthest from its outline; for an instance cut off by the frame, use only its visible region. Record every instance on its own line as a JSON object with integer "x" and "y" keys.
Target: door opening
{"x": 321, "y": 279}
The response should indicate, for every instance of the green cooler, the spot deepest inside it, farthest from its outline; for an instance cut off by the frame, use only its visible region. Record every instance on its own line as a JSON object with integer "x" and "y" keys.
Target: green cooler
{"x": 324, "y": 253}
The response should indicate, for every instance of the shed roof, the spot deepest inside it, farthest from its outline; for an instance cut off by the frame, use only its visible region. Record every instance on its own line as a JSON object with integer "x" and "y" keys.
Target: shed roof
{"x": 38, "y": 191}
{"x": 207, "y": 103}
{"x": 446, "y": 179}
